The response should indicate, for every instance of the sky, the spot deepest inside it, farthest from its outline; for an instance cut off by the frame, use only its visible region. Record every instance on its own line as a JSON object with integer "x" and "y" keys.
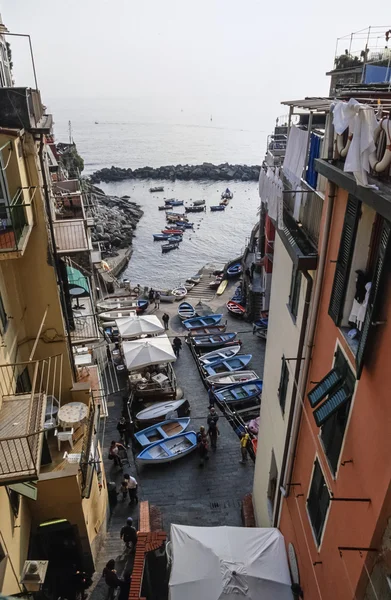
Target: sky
{"x": 237, "y": 58}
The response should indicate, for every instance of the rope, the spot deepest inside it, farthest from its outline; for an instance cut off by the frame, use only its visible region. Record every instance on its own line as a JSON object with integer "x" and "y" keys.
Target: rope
{"x": 9, "y": 158}
{"x": 308, "y": 549}
{"x": 370, "y": 581}
{"x": 348, "y": 578}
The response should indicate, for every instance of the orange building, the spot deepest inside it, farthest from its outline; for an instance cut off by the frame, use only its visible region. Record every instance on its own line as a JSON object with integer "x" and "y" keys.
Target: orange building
{"x": 334, "y": 497}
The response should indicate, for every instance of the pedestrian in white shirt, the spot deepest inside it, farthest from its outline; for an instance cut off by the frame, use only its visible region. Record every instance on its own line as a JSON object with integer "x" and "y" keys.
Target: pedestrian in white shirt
{"x": 132, "y": 488}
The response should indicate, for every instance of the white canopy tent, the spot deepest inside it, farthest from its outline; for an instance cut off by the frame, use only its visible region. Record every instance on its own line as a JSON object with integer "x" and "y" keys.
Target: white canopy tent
{"x": 144, "y": 352}
{"x": 133, "y": 327}
{"x": 228, "y": 563}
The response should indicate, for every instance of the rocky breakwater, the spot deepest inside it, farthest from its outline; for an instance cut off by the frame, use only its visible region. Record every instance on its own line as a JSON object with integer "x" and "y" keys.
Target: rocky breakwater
{"x": 115, "y": 220}
{"x": 206, "y": 171}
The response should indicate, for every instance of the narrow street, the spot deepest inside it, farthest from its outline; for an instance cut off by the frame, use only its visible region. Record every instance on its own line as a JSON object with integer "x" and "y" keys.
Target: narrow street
{"x": 184, "y": 492}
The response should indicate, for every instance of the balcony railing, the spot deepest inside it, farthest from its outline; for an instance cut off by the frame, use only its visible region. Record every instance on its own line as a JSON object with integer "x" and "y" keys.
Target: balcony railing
{"x": 22, "y": 108}
{"x": 16, "y": 222}
{"x": 24, "y": 388}
{"x": 70, "y": 236}
{"x": 89, "y": 459}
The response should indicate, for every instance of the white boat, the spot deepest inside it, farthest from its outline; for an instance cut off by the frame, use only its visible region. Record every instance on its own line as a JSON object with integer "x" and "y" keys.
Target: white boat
{"x": 167, "y": 296}
{"x": 171, "y": 409}
{"x": 180, "y": 292}
{"x": 229, "y": 378}
{"x": 223, "y": 353}
{"x": 104, "y": 305}
{"x": 113, "y": 315}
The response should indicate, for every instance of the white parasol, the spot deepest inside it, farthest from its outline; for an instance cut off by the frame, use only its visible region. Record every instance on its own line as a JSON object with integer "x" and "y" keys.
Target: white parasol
{"x": 228, "y": 563}
{"x": 151, "y": 351}
{"x": 133, "y": 327}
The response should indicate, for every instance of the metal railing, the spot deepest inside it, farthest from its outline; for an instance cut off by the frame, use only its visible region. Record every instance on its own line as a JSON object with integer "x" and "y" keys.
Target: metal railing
{"x": 310, "y": 215}
{"x": 88, "y": 457}
{"x": 14, "y": 220}
{"x": 85, "y": 327}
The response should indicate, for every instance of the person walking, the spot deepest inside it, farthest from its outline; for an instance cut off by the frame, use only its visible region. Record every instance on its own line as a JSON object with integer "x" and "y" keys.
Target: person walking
{"x": 157, "y": 299}
{"x": 111, "y": 578}
{"x": 202, "y": 445}
{"x": 165, "y": 319}
{"x": 132, "y": 488}
{"x": 211, "y": 396}
{"x": 121, "y": 428}
{"x": 244, "y": 439}
{"x": 128, "y": 534}
{"x": 213, "y": 430}
{"x": 177, "y": 345}
{"x": 151, "y": 295}
{"x": 114, "y": 453}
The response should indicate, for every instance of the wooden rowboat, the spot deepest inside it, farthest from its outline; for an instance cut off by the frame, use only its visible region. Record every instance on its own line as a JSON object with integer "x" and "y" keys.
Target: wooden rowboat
{"x": 169, "y": 449}
{"x": 217, "y": 208}
{"x": 162, "y": 431}
{"x": 186, "y": 311}
{"x": 216, "y": 340}
{"x": 159, "y": 411}
{"x": 223, "y": 353}
{"x": 198, "y": 202}
{"x": 241, "y": 392}
{"x": 213, "y": 329}
{"x": 229, "y": 378}
{"x": 206, "y": 321}
{"x": 235, "y": 309}
{"x": 236, "y": 363}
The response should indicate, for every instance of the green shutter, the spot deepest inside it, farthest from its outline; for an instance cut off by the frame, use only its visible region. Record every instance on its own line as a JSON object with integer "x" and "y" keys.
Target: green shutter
{"x": 342, "y": 268}
{"x": 331, "y": 405}
{"x": 25, "y": 489}
{"x": 374, "y": 295}
{"x": 324, "y": 387}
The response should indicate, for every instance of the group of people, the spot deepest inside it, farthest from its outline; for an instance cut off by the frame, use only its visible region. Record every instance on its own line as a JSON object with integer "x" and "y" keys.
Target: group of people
{"x": 210, "y": 436}
{"x": 128, "y": 534}
{"x": 154, "y": 296}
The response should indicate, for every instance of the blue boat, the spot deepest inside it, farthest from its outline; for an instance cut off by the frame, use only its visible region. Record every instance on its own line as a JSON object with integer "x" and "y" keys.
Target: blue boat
{"x": 174, "y": 238}
{"x": 162, "y": 431}
{"x": 206, "y": 321}
{"x": 236, "y": 363}
{"x": 262, "y": 323}
{"x": 234, "y": 270}
{"x": 241, "y": 392}
{"x": 184, "y": 225}
{"x": 160, "y": 237}
{"x": 141, "y": 306}
{"x": 217, "y": 207}
{"x": 169, "y": 449}
{"x": 174, "y": 202}
{"x": 214, "y": 341}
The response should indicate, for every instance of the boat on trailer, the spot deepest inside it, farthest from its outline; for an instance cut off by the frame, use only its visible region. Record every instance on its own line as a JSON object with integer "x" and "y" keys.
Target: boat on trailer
{"x": 161, "y": 431}
{"x": 224, "y": 353}
{"x": 169, "y": 449}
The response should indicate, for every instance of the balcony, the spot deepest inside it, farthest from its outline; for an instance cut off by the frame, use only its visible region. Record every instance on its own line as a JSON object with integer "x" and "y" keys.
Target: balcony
{"x": 71, "y": 236}
{"x": 23, "y": 388}
{"x": 22, "y": 108}
{"x": 16, "y": 223}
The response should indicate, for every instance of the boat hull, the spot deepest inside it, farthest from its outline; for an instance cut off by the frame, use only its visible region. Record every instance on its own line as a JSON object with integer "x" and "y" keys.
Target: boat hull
{"x": 198, "y": 322}
{"x": 170, "y": 449}
{"x": 161, "y": 411}
{"x": 234, "y": 270}
{"x": 236, "y": 394}
{"x": 236, "y": 363}
{"x": 228, "y": 378}
{"x": 214, "y": 340}
{"x": 161, "y": 431}
{"x": 224, "y": 353}
{"x": 212, "y": 330}
{"x": 186, "y": 311}
{"x": 235, "y": 308}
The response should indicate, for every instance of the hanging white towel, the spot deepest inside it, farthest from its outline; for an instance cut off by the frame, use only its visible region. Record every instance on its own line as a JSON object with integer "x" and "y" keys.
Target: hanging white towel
{"x": 363, "y": 307}
{"x": 295, "y": 155}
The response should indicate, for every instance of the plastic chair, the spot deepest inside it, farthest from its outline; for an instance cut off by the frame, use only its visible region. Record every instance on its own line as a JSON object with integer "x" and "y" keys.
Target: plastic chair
{"x": 64, "y": 436}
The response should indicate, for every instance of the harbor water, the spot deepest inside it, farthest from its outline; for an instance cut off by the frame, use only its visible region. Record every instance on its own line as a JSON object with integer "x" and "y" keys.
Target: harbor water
{"x": 216, "y": 237}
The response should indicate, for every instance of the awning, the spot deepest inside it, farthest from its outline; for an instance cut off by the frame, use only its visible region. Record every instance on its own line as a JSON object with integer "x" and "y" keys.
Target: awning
{"x": 133, "y": 327}
{"x": 227, "y": 563}
{"x": 78, "y": 284}
{"x": 152, "y": 351}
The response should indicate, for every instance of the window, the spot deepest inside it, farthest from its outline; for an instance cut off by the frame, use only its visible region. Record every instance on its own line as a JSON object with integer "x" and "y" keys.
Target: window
{"x": 272, "y": 488}
{"x": 294, "y": 293}
{"x": 318, "y": 502}
{"x": 3, "y": 316}
{"x": 283, "y": 387}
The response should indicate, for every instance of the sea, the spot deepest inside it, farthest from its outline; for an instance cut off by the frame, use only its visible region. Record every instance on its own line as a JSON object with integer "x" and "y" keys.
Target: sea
{"x": 118, "y": 133}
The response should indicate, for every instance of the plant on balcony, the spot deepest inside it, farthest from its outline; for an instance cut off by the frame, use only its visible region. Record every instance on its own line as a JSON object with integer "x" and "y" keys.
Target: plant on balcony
{"x": 345, "y": 61}
{"x": 9, "y": 55}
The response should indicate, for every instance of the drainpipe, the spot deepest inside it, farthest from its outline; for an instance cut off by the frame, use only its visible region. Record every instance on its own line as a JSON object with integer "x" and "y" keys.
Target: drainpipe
{"x": 55, "y": 254}
{"x": 296, "y": 407}
{"x": 292, "y": 408}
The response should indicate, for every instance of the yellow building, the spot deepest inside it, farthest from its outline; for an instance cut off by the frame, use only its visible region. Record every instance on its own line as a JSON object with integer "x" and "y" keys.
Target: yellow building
{"x": 53, "y": 504}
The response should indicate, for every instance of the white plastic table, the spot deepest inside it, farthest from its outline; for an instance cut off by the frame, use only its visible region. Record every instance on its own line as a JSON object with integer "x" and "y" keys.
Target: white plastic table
{"x": 73, "y": 412}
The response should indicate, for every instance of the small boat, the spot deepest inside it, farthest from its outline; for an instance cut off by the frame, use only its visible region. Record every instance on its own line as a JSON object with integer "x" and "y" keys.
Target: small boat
{"x": 222, "y": 286}
{"x": 224, "y": 202}
{"x": 217, "y": 207}
{"x": 113, "y": 315}
{"x": 207, "y": 330}
{"x": 215, "y": 284}
{"x": 228, "y": 378}
{"x": 194, "y": 279}
{"x": 189, "y": 286}
{"x": 173, "y": 239}
{"x": 235, "y": 309}
{"x": 172, "y": 231}
{"x": 186, "y": 225}
{"x": 174, "y": 202}
{"x": 262, "y": 323}
{"x": 159, "y": 188}
{"x": 121, "y": 304}
{"x": 162, "y": 431}
{"x": 169, "y": 449}
{"x": 160, "y": 237}
{"x": 198, "y": 202}
{"x": 169, "y": 247}
{"x": 240, "y": 392}
{"x": 236, "y": 363}
{"x": 214, "y": 341}
{"x": 158, "y": 411}
{"x": 186, "y": 311}
{"x": 165, "y": 207}
{"x": 227, "y": 195}
{"x": 211, "y": 357}
{"x": 234, "y": 270}
{"x": 202, "y": 321}
{"x": 194, "y": 209}
{"x": 180, "y": 292}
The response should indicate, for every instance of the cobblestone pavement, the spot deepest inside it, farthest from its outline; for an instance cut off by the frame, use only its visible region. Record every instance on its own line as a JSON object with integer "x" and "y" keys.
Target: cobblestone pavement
{"x": 184, "y": 492}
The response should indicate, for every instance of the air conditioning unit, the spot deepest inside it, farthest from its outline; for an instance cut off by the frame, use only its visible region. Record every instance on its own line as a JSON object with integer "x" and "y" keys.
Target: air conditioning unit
{"x": 33, "y": 574}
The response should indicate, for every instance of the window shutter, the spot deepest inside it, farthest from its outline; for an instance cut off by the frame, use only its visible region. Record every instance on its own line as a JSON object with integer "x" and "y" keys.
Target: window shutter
{"x": 342, "y": 268}
{"x": 324, "y": 387}
{"x": 331, "y": 405}
{"x": 374, "y": 295}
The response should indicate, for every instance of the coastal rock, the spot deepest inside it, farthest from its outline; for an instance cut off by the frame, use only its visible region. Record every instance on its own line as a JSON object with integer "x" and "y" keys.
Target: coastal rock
{"x": 206, "y": 171}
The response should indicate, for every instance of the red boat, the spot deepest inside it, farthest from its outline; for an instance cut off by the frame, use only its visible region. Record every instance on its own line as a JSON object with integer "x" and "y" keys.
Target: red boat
{"x": 173, "y": 231}
{"x": 236, "y": 309}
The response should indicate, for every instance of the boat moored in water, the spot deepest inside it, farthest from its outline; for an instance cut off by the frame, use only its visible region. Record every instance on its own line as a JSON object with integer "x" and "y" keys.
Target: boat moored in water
{"x": 199, "y": 202}
{"x": 195, "y": 209}
{"x": 158, "y": 188}
{"x": 169, "y": 247}
{"x": 217, "y": 207}
{"x": 227, "y": 195}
